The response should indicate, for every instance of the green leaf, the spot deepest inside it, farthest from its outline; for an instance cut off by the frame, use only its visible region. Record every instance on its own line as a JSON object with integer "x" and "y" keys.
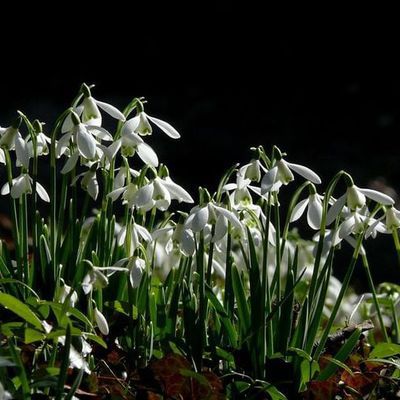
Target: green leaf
{"x": 340, "y": 356}
{"x": 300, "y": 352}
{"x": 33, "y": 335}
{"x": 274, "y": 393}
{"x": 339, "y": 364}
{"x": 195, "y": 375}
{"x": 62, "y": 378}
{"x": 241, "y": 301}
{"x": 123, "y": 307}
{"x": 95, "y": 338}
{"x": 383, "y": 350}
{"x": 20, "y": 309}
{"x": 224, "y": 318}
{"x": 308, "y": 370}
{"x": 22, "y": 372}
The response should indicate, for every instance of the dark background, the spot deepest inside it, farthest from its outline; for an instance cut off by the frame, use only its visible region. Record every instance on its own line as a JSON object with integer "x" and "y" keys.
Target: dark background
{"x": 227, "y": 77}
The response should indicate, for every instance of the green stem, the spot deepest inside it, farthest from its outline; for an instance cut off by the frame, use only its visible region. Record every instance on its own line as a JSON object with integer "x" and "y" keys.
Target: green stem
{"x": 13, "y": 206}
{"x": 266, "y": 295}
{"x": 372, "y": 288}
{"x": 396, "y": 243}
{"x": 345, "y": 285}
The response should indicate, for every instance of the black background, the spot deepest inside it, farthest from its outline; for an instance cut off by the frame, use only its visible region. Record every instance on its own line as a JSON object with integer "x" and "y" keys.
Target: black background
{"x": 325, "y": 87}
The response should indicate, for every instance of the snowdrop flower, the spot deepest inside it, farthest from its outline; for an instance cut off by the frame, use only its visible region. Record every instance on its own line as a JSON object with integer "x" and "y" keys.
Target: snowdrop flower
{"x": 140, "y": 124}
{"x": 23, "y": 185}
{"x": 281, "y": 174}
{"x": 131, "y": 143}
{"x": 159, "y": 194}
{"x": 210, "y": 213}
{"x": 314, "y": 209}
{"x": 137, "y": 234}
{"x": 101, "y": 321}
{"x": 136, "y": 267}
{"x": 355, "y": 198}
{"x": 8, "y": 135}
{"x": 180, "y": 237}
{"x": 89, "y": 111}
{"x": 392, "y": 218}
{"x": 42, "y": 141}
{"x": 97, "y": 277}
{"x": 89, "y": 182}
{"x": 241, "y": 196}
{"x": 64, "y": 292}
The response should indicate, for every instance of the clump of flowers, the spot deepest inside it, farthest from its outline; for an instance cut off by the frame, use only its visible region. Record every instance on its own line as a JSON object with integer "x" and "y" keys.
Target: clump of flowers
{"x": 127, "y": 264}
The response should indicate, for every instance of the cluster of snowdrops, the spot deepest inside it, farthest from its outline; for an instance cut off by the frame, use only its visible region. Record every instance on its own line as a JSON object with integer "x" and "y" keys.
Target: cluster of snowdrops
{"x": 114, "y": 234}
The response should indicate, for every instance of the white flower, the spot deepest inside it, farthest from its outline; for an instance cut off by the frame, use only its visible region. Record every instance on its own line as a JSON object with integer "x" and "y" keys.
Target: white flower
{"x": 8, "y": 135}
{"x": 355, "y": 198}
{"x": 210, "y": 213}
{"x": 140, "y": 124}
{"x": 89, "y": 111}
{"x": 281, "y": 174}
{"x": 314, "y": 212}
{"x": 392, "y": 218}
{"x": 97, "y": 277}
{"x": 23, "y": 185}
{"x": 136, "y": 268}
{"x": 89, "y": 182}
{"x": 22, "y": 151}
{"x": 131, "y": 143}
{"x": 101, "y": 321}
{"x": 64, "y": 292}
{"x": 137, "y": 233}
{"x": 42, "y": 141}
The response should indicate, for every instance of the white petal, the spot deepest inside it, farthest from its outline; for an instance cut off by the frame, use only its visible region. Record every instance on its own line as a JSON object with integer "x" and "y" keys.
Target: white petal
{"x": 99, "y": 132}
{"x": 299, "y": 210}
{"x": 335, "y": 210}
{"x": 268, "y": 180}
{"x": 2, "y": 157}
{"x": 70, "y": 164}
{"x": 305, "y": 172}
{"x": 93, "y": 188}
{"x": 199, "y": 219}
{"x": 220, "y": 228}
{"x": 230, "y": 216}
{"x": 187, "y": 243}
{"x": 101, "y": 321}
{"x": 177, "y": 192}
{"x": 346, "y": 227}
{"x": 143, "y": 232}
{"x": 147, "y": 154}
{"x": 121, "y": 236}
{"x": 111, "y": 110}
{"x": 130, "y": 125}
{"x": 67, "y": 124}
{"x": 41, "y": 191}
{"x": 229, "y": 186}
{"x": 116, "y": 193}
{"x": 5, "y": 189}
{"x": 314, "y": 214}
{"x": 85, "y": 142}
{"x": 21, "y": 150}
{"x": 112, "y": 150}
{"x": 143, "y": 196}
{"x": 165, "y": 127}
{"x": 135, "y": 276}
{"x": 63, "y": 144}
{"x": 21, "y": 186}
{"x": 377, "y": 196}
